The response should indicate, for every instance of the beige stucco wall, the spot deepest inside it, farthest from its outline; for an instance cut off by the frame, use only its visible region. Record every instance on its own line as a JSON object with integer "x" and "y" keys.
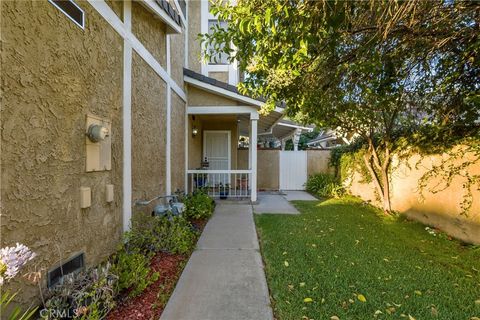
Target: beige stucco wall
{"x": 198, "y": 97}
{"x": 441, "y": 209}
{"x": 53, "y": 75}
{"x": 194, "y": 28}
{"x": 148, "y": 131}
{"x": 220, "y": 76}
{"x": 267, "y": 167}
{"x": 177, "y": 57}
{"x": 317, "y": 162}
{"x": 178, "y": 143}
{"x": 150, "y": 31}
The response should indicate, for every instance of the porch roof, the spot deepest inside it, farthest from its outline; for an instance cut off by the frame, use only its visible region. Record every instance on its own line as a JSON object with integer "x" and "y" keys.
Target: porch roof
{"x": 271, "y": 124}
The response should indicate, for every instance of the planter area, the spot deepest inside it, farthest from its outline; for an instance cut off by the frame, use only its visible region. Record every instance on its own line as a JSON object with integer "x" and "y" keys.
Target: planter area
{"x": 137, "y": 281}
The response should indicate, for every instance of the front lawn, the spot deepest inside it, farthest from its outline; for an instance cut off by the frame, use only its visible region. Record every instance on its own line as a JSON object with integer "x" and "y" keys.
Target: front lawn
{"x": 341, "y": 258}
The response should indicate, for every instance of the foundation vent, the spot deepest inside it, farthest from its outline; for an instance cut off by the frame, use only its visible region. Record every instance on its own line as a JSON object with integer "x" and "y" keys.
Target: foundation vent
{"x": 74, "y": 264}
{"x": 71, "y": 10}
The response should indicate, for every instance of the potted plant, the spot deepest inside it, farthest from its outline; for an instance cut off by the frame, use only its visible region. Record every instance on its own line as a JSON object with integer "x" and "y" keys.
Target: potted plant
{"x": 200, "y": 179}
{"x": 224, "y": 190}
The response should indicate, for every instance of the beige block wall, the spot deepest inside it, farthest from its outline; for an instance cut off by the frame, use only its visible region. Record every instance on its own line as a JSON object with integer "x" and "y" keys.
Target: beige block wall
{"x": 148, "y": 131}
{"x": 53, "y": 75}
{"x": 267, "y": 167}
{"x": 317, "y": 162}
{"x": 441, "y": 209}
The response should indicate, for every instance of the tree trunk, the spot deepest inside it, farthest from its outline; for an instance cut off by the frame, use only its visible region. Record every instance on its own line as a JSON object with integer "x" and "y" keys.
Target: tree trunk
{"x": 378, "y": 171}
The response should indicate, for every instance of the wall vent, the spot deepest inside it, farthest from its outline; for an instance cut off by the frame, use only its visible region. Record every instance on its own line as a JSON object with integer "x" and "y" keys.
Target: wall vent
{"x": 74, "y": 264}
{"x": 71, "y": 10}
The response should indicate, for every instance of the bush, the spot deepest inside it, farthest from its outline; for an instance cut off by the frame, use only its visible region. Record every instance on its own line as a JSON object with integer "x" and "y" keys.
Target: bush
{"x": 85, "y": 295}
{"x": 133, "y": 272}
{"x": 149, "y": 234}
{"x": 324, "y": 185}
{"x": 198, "y": 205}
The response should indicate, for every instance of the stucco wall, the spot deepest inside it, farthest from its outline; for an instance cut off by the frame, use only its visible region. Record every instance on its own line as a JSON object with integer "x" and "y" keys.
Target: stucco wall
{"x": 194, "y": 28}
{"x": 53, "y": 75}
{"x": 148, "y": 131}
{"x": 197, "y": 97}
{"x": 150, "y": 31}
{"x": 178, "y": 143}
{"x": 177, "y": 57}
{"x": 441, "y": 209}
{"x": 267, "y": 167}
{"x": 220, "y": 76}
{"x": 317, "y": 162}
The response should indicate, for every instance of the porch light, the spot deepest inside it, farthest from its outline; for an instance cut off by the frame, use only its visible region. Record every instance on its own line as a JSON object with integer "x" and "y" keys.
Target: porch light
{"x": 194, "y": 131}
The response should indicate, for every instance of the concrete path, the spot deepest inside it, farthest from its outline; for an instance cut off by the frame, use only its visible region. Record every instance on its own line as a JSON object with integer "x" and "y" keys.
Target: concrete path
{"x": 278, "y": 203}
{"x": 224, "y": 278}
{"x": 299, "y": 195}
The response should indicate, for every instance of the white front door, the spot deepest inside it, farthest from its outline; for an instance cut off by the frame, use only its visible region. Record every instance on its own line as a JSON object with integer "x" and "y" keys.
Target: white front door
{"x": 217, "y": 151}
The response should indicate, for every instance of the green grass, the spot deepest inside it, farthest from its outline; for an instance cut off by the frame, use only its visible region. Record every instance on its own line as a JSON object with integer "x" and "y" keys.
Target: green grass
{"x": 339, "y": 249}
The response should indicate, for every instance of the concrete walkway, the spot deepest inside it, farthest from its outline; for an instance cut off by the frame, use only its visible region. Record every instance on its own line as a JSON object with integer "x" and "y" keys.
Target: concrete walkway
{"x": 224, "y": 278}
{"x": 278, "y": 203}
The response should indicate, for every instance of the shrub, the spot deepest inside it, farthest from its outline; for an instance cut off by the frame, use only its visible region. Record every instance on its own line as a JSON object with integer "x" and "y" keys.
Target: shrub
{"x": 199, "y": 205}
{"x": 172, "y": 234}
{"x": 133, "y": 272}
{"x": 85, "y": 295}
{"x": 324, "y": 185}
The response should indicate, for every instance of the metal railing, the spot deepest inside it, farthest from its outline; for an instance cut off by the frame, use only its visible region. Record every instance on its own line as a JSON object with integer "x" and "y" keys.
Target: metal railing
{"x": 220, "y": 183}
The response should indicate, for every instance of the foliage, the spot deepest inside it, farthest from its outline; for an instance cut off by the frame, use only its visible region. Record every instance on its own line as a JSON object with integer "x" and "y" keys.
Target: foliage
{"x": 133, "y": 272}
{"x": 324, "y": 185}
{"x": 85, "y": 295}
{"x": 149, "y": 234}
{"x": 302, "y": 142}
{"x": 340, "y": 249}
{"x": 198, "y": 205}
{"x": 390, "y": 71}
{"x": 17, "y": 313}
{"x": 12, "y": 259}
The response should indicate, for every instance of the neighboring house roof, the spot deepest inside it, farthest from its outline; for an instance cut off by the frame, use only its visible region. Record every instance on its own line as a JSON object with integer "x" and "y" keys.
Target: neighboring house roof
{"x": 330, "y": 135}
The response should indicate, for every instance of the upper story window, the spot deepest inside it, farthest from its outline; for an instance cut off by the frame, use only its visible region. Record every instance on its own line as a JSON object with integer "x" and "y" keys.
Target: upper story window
{"x": 221, "y": 58}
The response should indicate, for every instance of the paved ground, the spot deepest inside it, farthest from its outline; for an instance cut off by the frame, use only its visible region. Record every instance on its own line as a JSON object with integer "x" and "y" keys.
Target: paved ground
{"x": 298, "y": 195}
{"x": 278, "y": 203}
{"x": 224, "y": 278}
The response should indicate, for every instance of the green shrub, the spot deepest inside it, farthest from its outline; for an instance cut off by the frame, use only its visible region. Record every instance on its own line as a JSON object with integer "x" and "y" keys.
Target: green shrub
{"x": 149, "y": 234}
{"x": 324, "y": 185}
{"x": 133, "y": 272}
{"x": 198, "y": 205}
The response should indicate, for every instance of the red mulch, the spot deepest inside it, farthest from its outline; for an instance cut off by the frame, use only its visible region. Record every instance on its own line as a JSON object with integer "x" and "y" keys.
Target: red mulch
{"x": 149, "y": 304}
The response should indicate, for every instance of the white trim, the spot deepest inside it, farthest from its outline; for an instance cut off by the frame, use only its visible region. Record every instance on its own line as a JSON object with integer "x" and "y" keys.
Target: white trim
{"x": 219, "y": 171}
{"x": 168, "y": 56}
{"x": 221, "y": 110}
{"x": 217, "y": 68}
{"x": 109, "y": 15}
{"x": 186, "y": 35}
{"x": 168, "y": 156}
{"x": 253, "y": 158}
{"x": 229, "y": 145}
{"x": 294, "y": 126}
{"x": 153, "y": 7}
{"x": 82, "y": 25}
{"x": 180, "y": 12}
{"x": 127, "y": 120}
{"x": 222, "y": 92}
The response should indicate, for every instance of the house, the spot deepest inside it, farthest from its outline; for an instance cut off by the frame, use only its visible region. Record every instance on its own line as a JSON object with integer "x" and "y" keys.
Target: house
{"x": 329, "y": 138}
{"x": 105, "y": 102}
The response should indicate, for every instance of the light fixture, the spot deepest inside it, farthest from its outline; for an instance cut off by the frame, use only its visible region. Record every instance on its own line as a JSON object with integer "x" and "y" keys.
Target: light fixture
{"x": 194, "y": 131}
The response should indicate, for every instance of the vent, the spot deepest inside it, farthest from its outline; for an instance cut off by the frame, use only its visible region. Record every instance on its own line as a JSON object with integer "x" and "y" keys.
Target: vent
{"x": 71, "y": 10}
{"x": 74, "y": 264}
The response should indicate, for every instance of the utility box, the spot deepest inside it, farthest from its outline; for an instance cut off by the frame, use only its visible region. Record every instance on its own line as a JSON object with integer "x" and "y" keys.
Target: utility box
{"x": 85, "y": 197}
{"x": 98, "y": 151}
{"x": 109, "y": 192}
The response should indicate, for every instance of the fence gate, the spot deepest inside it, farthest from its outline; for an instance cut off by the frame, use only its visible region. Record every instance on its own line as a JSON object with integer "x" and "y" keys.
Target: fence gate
{"x": 293, "y": 170}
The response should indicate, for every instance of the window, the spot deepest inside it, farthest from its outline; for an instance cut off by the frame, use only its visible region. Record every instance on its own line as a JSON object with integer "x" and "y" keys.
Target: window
{"x": 71, "y": 10}
{"x": 74, "y": 264}
{"x": 221, "y": 58}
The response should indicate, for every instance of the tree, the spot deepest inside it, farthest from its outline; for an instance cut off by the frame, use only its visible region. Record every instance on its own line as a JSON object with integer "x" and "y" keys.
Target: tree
{"x": 390, "y": 71}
